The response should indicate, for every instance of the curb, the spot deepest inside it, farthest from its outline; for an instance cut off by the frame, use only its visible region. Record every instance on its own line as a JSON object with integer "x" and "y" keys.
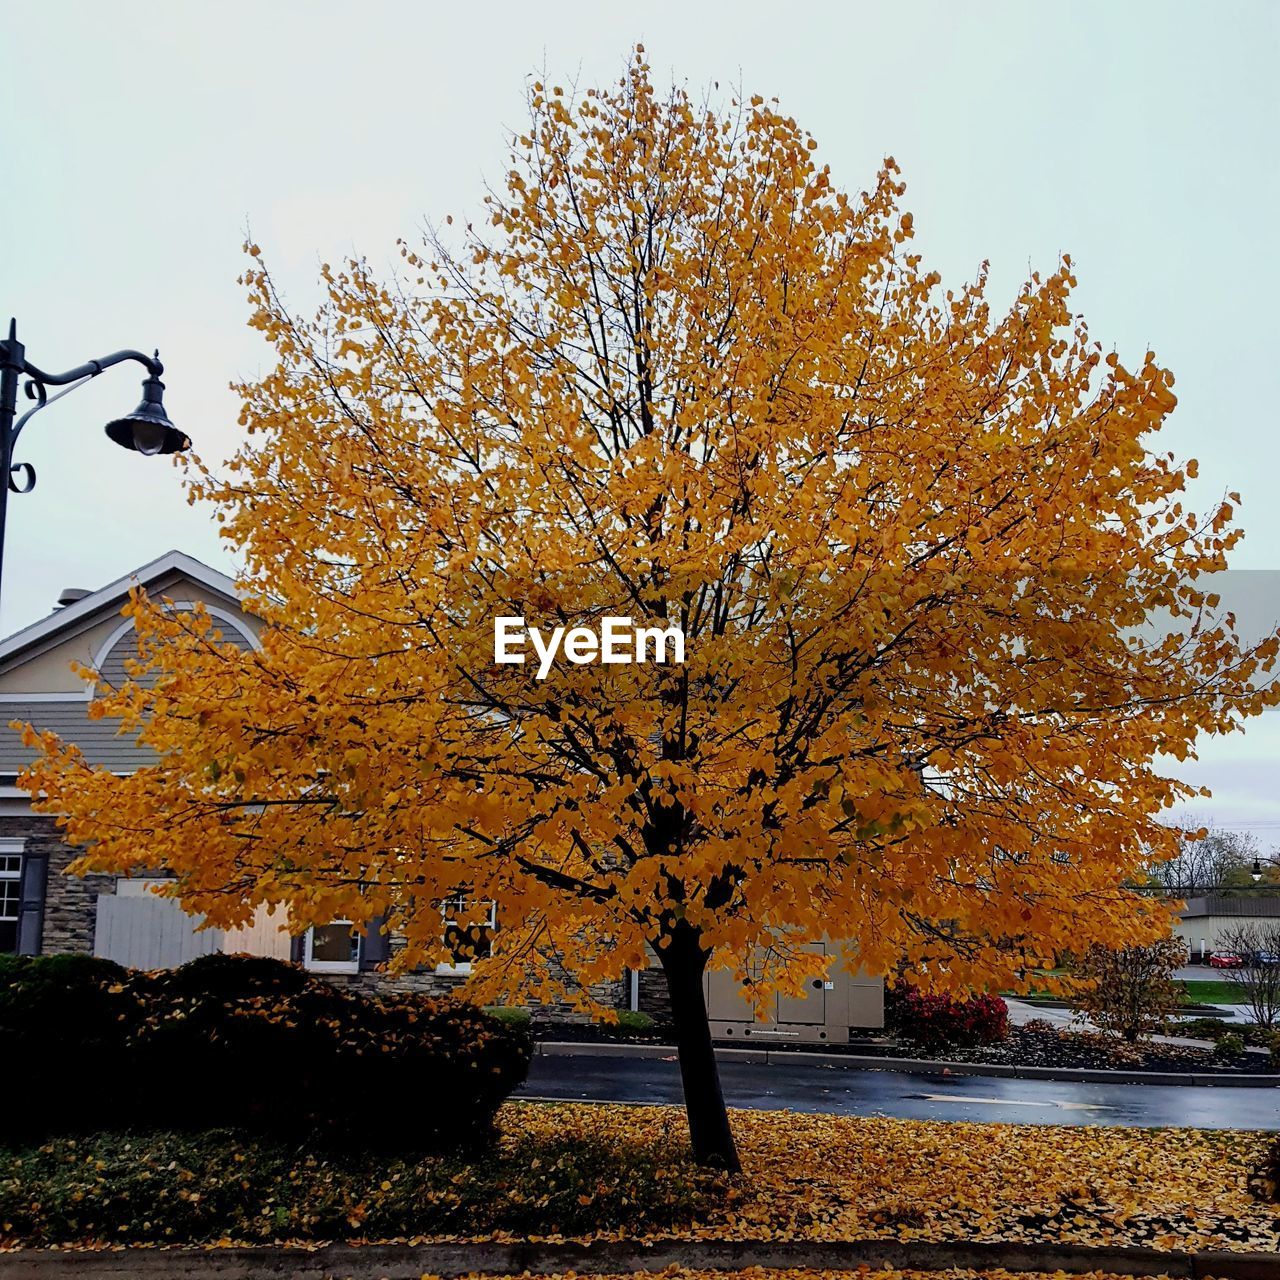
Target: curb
{"x": 410, "y": 1262}
{"x": 916, "y": 1066}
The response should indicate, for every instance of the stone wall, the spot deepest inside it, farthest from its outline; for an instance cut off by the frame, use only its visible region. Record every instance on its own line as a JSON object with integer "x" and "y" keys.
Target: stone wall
{"x": 655, "y": 999}
{"x": 612, "y": 995}
{"x": 71, "y": 902}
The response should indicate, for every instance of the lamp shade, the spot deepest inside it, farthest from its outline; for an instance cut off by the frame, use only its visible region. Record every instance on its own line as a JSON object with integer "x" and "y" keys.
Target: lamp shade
{"x": 147, "y": 429}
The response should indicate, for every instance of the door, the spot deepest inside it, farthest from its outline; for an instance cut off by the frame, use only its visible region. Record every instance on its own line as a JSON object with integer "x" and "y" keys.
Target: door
{"x": 809, "y": 1009}
{"x": 726, "y": 999}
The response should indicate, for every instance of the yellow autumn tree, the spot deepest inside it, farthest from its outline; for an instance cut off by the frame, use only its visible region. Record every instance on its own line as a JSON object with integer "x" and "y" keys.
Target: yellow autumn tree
{"x": 918, "y": 553}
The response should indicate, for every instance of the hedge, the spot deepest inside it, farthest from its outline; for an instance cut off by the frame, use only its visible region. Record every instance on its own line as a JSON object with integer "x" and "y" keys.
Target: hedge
{"x": 250, "y": 1043}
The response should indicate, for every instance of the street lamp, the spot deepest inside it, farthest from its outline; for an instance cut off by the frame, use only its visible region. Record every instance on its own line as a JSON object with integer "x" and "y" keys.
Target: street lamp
{"x": 1256, "y": 873}
{"x": 147, "y": 430}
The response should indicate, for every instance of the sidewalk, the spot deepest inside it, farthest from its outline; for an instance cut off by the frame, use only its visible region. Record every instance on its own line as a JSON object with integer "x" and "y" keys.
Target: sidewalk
{"x": 635, "y": 1258}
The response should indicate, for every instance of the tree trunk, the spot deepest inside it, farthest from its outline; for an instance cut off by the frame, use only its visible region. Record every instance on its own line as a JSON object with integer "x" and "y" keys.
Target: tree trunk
{"x": 683, "y": 962}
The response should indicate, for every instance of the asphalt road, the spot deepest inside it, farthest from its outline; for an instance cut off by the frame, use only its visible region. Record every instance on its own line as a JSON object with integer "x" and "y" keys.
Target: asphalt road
{"x": 853, "y": 1091}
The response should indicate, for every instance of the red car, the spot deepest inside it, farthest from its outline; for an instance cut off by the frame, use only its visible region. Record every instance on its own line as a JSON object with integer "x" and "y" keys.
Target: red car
{"x": 1226, "y": 960}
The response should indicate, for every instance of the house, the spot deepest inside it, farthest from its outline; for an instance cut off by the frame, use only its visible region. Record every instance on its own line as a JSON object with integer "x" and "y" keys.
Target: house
{"x": 43, "y": 910}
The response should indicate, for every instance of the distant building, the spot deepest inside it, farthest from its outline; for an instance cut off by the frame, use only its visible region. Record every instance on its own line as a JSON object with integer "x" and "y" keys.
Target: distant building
{"x": 1203, "y": 922}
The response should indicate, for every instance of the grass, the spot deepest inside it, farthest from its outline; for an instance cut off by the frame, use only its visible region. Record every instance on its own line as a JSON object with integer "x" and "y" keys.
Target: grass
{"x": 618, "y": 1172}
{"x": 1220, "y": 991}
{"x": 1217, "y": 991}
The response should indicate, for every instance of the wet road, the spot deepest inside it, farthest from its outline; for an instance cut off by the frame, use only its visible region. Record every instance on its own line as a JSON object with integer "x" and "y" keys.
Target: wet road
{"x": 854, "y": 1091}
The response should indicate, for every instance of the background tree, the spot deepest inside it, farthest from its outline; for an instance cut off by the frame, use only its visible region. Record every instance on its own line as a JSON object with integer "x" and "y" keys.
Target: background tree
{"x": 1258, "y": 977}
{"x": 1133, "y": 989}
{"x": 1207, "y": 859}
{"x": 678, "y": 374}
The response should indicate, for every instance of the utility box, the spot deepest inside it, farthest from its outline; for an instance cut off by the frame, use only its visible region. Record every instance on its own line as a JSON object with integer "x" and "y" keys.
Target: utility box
{"x": 833, "y": 1001}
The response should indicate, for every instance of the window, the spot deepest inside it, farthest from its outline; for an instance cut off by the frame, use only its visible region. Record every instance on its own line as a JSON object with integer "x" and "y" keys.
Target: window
{"x": 10, "y": 899}
{"x": 333, "y": 948}
{"x": 468, "y": 931}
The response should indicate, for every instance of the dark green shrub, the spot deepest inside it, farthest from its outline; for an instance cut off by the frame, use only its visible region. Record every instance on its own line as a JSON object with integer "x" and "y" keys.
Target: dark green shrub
{"x": 29, "y": 983}
{"x": 1229, "y": 1046}
{"x": 1215, "y": 1028}
{"x": 295, "y": 1055}
{"x": 631, "y": 1022}
{"x": 1198, "y": 1028}
{"x": 437, "y": 1072}
{"x": 256, "y": 1060}
{"x": 510, "y": 1015}
{"x": 235, "y": 976}
{"x": 66, "y": 1020}
{"x": 251, "y": 1043}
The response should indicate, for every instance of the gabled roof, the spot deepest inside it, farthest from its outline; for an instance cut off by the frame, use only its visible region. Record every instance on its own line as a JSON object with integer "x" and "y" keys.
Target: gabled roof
{"x": 115, "y": 593}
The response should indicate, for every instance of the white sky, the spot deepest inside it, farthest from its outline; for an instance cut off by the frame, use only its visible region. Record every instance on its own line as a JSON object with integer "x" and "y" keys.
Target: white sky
{"x": 141, "y": 138}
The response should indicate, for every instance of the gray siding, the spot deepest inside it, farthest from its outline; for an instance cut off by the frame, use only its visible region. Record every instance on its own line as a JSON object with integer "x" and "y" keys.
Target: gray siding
{"x": 124, "y": 650}
{"x": 100, "y": 740}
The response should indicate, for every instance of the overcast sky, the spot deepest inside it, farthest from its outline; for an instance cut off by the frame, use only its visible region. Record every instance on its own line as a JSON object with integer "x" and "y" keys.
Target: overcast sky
{"x": 141, "y": 139}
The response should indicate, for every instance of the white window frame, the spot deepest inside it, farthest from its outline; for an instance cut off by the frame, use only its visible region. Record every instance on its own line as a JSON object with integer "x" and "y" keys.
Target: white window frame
{"x": 331, "y": 966}
{"x": 14, "y": 849}
{"x": 460, "y": 968}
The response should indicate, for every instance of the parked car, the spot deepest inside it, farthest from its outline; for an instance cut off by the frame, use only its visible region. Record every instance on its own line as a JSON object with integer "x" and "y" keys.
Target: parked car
{"x": 1226, "y": 960}
{"x": 1266, "y": 958}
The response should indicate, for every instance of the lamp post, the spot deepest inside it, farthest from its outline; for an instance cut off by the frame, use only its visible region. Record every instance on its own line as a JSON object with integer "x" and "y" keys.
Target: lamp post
{"x": 147, "y": 430}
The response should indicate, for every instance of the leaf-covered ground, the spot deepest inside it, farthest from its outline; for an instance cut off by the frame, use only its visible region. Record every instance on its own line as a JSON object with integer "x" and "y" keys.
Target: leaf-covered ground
{"x": 842, "y": 1177}
{"x": 574, "y": 1170}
